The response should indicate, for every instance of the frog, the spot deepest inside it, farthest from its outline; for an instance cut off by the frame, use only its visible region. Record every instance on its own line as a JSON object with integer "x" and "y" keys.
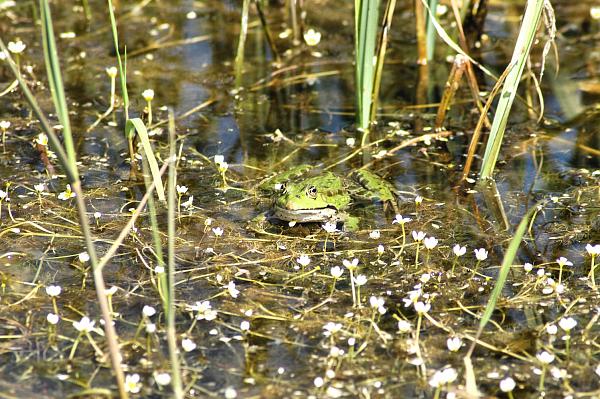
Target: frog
{"x": 302, "y": 196}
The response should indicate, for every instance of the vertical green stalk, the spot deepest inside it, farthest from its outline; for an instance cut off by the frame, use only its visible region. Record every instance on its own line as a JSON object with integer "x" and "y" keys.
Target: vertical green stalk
{"x": 171, "y": 206}
{"x": 533, "y": 13}
{"x": 122, "y": 70}
{"x": 239, "y": 58}
{"x": 430, "y": 31}
{"x": 366, "y": 14}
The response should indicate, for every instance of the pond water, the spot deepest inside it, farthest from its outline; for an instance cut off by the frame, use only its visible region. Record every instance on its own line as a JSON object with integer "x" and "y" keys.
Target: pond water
{"x": 311, "y": 333}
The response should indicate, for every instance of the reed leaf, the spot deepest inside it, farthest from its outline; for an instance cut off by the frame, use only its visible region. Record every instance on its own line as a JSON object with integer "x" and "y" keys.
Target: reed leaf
{"x": 430, "y": 30}
{"x": 136, "y": 125}
{"x": 122, "y": 67}
{"x": 366, "y": 15}
{"x": 533, "y": 13}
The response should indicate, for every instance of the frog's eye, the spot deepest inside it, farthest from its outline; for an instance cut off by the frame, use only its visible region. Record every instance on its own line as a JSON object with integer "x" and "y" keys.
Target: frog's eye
{"x": 312, "y": 192}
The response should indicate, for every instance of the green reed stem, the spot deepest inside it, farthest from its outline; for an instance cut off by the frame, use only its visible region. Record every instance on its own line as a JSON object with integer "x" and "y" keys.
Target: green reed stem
{"x": 171, "y": 204}
{"x": 531, "y": 19}
{"x": 366, "y": 15}
{"x": 381, "y": 49}
{"x": 239, "y": 57}
{"x": 430, "y": 31}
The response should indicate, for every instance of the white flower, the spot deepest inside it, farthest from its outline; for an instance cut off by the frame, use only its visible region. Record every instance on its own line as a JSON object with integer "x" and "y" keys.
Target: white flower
{"x": 162, "y": 379}
{"x": 567, "y": 323}
{"x": 418, "y": 236}
{"x": 380, "y": 249}
{"x": 159, "y": 269}
{"x": 67, "y": 194}
{"x": 377, "y": 303}
{"x": 52, "y": 318}
{"x": 83, "y": 257}
{"x": 507, "y": 384}
{"x": 350, "y": 141}
{"x": 595, "y": 12}
{"x": 188, "y": 203}
{"x": 312, "y": 37}
{"x": 318, "y": 382}
{"x": 329, "y": 227}
{"x": 400, "y": 220}
{"x": 430, "y": 242}
{"x": 481, "y": 254}
{"x": 593, "y": 250}
{"x": 4, "y": 125}
{"x": 551, "y": 329}
{"x": 39, "y": 187}
{"x": 84, "y": 325}
{"x": 404, "y": 326}
{"x": 375, "y": 234}
{"x": 303, "y": 260}
{"x": 418, "y": 200}
{"x": 528, "y": 267}
{"x": 181, "y": 189}
{"x": 545, "y": 357}
{"x": 425, "y": 278}
{"x": 16, "y": 47}
{"x": 188, "y": 345}
{"x": 245, "y": 325}
{"x": 148, "y": 95}
{"x": 458, "y": 250}
{"x": 42, "y": 140}
{"x": 148, "y": 311}
{"x": 219, "y": 159}
{"x": 562, "y": 261}
{"x": 454, "y": 344}
{"x": 421, "y": 307}
{"x": 597, "y": 370}
{"x": 217, "y": 231}
{"x": 336, "y": 271}
{"x": 97, "y": 215}
{"x": 205, "y": 311}
{"x": 360, "y": 280}
{"x": 331, "y": 328}
{"x": 3, "y": 195}
{"x": 150, "y": 328}
{"x": 350, "y": 264}
{"x": 443, "y": 377}
{"x": 234, "y": 292}
{"x": 112, "y": 72}
{"x": 132, "y": 383}
{"x": 53, "y": 290}
{"x": 230, "y": 393}
{"x": 111, "y": 291}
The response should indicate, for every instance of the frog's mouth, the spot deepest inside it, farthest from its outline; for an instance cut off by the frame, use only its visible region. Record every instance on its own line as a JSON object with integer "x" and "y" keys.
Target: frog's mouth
{"x": 305, "y": 215}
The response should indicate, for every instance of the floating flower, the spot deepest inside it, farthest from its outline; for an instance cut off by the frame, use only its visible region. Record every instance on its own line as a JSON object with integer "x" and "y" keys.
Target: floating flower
{"x": 148, "y": 95}
{"x": 329, "y": 227}
{"x": 150, "y": 328}
{"x": 421, "y": 307}
{"x": 593, "y": 250}
{"x": 132, "y": 383}
{"x": 112, "y": 72}
{"x": 418, "y": 236}
{"x": 245, "y": 325}
{"x": 360, "y": 280}
{"x": 350, "y": 264}
{"x": 84, "y": 325}
{"x": 567, "y": 323}
{"x": 400, "y": 220}
{"x": 375, "y": 234}
{"x": 52, "y": 318}
{"x": 204, "y": 311}
{"x": 331, "y": 328}
{"x": 303, "y": 260}
{"x": 83, "y": 257}
{"x": 67, "y": 194}
{"x": 458, "y": 250}
{"x": 53, "y": 290}
{"x": 234, "y": 292}
{"x": 454, "y": 344}
{"x": 336, "y": 272}
{"x": 377, "y": 303}
{"x": 404, "y": 326}
{"x": 507, "y": 384}
{"x": 418, "y": 200}
{"x": 181, "y": 189}
{"x": 148, "y": 311}
{"x": 528, "y": 267}
{"x": 430, "y": 242}
{"x": 545, "y": 357}
{"x": 162, "y": 379}
{"x": 312, "y": 37}
{"x": 481, "y": 254}
{"x": 188, "y": 345}
{"x": 16, "y": 47}
{"x": 4, "y": 125}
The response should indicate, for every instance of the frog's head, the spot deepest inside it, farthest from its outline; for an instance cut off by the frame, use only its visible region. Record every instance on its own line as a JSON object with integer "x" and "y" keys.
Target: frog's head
{"x": 324, "y": 191}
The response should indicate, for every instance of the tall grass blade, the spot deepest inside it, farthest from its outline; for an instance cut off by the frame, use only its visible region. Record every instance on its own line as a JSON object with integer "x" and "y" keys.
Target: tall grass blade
{"x": 381, "y": 49}
{"x": 430, "y": 30}
{"x": 171, "y": 206}
{"x": 508, "y": 260}
{"x": 366, "y": 15}
{"x": 55, "y": 79}
{"x": 136, "y": 125}
{"x": 122, "y": 70}
{"x": 529, "y": 25}
{"x": 239, "y": 57}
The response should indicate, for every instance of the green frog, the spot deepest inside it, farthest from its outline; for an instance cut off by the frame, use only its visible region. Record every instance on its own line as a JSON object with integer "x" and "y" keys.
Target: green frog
{"x": 324, "y": 197}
